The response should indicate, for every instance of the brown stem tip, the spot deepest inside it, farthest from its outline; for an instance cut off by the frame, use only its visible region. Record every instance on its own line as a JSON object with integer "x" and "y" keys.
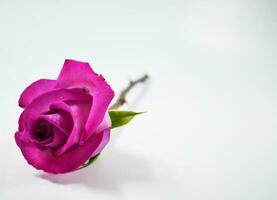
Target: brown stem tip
{"x": 122, "y": 96}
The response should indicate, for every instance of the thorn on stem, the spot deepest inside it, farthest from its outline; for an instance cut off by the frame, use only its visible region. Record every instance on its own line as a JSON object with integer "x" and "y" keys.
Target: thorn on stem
{"x": 122, "y": 96}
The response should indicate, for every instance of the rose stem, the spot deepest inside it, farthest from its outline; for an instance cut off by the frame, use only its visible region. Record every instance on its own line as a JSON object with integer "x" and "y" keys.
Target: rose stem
{"x": 122, "y": 96}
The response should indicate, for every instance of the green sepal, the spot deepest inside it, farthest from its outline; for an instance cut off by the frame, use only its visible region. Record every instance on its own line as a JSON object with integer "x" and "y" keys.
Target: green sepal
{"x": 90, "y": 161}
{"x": 121, "y": 117}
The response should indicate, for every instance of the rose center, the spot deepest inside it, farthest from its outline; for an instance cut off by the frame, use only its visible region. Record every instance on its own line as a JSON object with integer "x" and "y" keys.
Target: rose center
{"x": 42, "y": 130}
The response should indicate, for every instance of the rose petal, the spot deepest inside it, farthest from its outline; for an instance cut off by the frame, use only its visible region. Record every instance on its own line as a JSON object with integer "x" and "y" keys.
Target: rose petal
{"x": 61, "y": 119}
{"x": 58, "y": 140}
{"x": 21, "y": 122}
{"x": 104, "y": 142}
{"x": 102, "y": 97}
{"x": 34, "y": 90}
{"x": 77, "y": 74}
{"x": 45, "y": 160}
{"x": 106, "y": 123}
{"x": 79, "y": 112}
{"x": 74, "y": 72}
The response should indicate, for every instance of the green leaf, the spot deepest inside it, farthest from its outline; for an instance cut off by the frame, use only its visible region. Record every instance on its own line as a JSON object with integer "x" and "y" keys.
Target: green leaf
{"x": 121, "y": 117}
{"x": 90, "y": 161}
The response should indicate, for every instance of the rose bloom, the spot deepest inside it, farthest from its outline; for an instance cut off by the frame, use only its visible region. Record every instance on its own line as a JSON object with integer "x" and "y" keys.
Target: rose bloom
{"x": 65, "y": 122}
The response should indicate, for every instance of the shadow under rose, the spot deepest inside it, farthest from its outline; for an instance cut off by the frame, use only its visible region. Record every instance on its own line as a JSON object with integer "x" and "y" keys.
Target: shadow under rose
{"x": 112, "y": 170}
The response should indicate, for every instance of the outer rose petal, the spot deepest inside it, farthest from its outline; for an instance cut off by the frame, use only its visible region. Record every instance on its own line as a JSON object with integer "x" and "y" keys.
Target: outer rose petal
{"x": 21, "y": 122}
{"x": 34, "y": 90}
{"x": 77, "y": 74}
{"x": 102, "y": 97}
{"x": 45, "y": 160}
{"x": 106, "y": 123}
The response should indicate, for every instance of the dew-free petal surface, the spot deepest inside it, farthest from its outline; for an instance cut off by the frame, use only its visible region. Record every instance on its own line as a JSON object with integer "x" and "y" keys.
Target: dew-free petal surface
{"x": 34, "y": 90}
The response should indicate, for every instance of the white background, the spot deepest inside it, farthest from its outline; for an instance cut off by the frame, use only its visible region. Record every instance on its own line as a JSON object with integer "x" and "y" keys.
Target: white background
{"x": 210, "y": 127}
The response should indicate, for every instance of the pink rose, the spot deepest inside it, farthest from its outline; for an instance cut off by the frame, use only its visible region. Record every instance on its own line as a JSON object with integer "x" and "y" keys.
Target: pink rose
{"x": 65, "y": 122}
